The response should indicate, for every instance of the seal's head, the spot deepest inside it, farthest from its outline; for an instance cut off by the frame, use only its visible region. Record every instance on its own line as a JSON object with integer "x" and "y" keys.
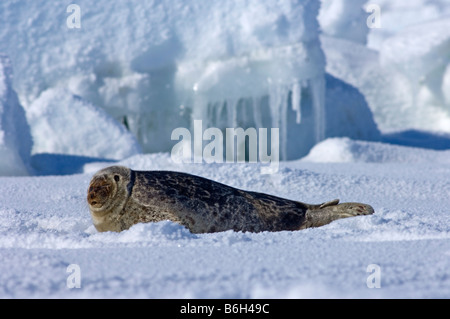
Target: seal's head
{"x": 108, "y": 192}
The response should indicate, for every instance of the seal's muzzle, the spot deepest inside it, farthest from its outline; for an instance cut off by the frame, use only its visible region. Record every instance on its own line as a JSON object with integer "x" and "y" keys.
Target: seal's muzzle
{"x": 98, "y": 193}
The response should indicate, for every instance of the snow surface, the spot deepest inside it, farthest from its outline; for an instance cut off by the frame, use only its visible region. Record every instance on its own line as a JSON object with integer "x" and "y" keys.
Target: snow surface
{"x": 345, "y": 150}
{"x": 46, "y": 226}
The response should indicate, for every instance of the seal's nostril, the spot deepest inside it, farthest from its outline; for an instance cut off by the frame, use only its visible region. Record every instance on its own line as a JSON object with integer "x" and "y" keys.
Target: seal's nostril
{"x": 93, "y": 202}
{"x": 92, "y": 195}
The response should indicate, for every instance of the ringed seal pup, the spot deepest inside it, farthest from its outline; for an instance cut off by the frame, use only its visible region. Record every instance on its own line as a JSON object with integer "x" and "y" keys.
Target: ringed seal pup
{"x": 119, "y": 197}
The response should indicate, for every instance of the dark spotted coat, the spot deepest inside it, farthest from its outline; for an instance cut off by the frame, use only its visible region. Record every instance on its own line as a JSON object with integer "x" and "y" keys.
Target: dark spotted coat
{"x": 203, "y": 205}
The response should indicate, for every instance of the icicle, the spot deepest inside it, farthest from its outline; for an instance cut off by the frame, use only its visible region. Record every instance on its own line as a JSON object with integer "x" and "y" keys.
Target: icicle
{"x": 278, "y": 107}
{"x": 257, "y": 111}
{"x": 220, "y": 111}
{"x": 284, "y": 94}
{"x": 296, "y": 100}
{"x": 231, "y": 112}
{"x": 200, "y": 111}
{"x": 273, "y": 106}
{"x": 317, "y": 86}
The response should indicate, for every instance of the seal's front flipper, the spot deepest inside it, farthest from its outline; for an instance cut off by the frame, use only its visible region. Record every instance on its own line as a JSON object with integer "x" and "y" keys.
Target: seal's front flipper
{"x": 329, "y": 211}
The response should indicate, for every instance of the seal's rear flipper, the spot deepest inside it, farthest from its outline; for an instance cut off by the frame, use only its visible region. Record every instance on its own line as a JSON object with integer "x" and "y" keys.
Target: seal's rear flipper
{"x": 327, "y": 212}
{"x": 352, "y": 209}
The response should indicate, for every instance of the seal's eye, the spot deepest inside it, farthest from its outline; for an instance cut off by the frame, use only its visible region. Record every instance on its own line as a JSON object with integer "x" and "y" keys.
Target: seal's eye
{"x": 116, "y": 178}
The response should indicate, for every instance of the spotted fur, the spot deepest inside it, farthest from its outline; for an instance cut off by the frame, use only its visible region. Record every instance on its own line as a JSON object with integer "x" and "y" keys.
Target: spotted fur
{"x": 119, "y": 197}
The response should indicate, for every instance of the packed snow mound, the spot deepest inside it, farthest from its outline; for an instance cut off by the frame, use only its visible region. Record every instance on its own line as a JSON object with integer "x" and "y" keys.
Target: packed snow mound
{"x": 427, "y": 49}
{"x": 62, "y": 123}
{"x": 403, "y": 71}
{"x": 344, "y": 19}
{"x": 15, "y": 138}
{"x": 345, "y": 150}
{"x": 347, "y": 112}
{"x": 425, "y": 65}
{"x": 160, "y": 65}
{"x": 398, "y": 15}
{"x": 399, "y": 99}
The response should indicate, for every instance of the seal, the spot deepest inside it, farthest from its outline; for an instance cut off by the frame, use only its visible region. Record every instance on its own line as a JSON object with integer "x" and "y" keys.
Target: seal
{"x": 119, "y": 197}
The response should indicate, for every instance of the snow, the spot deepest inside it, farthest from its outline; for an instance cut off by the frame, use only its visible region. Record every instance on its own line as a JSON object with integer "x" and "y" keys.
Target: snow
{"x": 15, "y": 138}
{"x": 345, "y": 150}
{"x": 46, "y": 226}
{"x": 363, "y": 113}
{"x": 398, "y": 15}
{"x": 76, "y": 127}
{"x": 344, "y": 19}
{"x": 347, "y": 112}
{"x": 403, "y": 70}
{"x": 156, "y": 63}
